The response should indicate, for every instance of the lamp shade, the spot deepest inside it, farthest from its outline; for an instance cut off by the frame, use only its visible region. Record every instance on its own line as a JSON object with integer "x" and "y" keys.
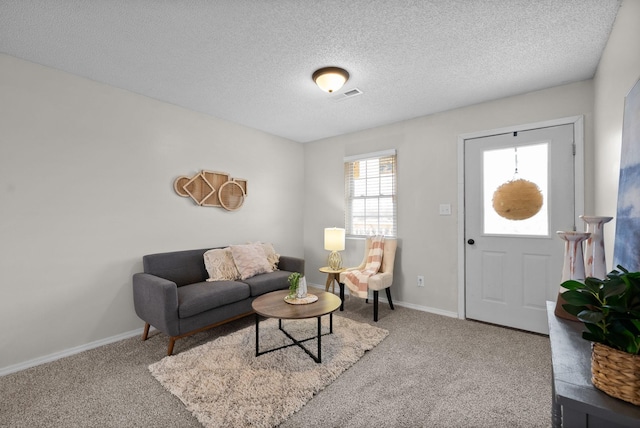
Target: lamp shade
{"x": 334, "y": 239}
{"x": 330, "y": 79}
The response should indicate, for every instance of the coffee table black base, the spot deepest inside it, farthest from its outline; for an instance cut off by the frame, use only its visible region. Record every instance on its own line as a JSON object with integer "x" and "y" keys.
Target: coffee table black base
{"x": 317, "y": 358}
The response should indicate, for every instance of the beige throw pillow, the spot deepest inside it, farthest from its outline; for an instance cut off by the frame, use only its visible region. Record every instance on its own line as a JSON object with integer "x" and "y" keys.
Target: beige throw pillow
{"x": 250, "y": 259}
{"x": 272, "y": 257}
{"x": 220, "y": 265}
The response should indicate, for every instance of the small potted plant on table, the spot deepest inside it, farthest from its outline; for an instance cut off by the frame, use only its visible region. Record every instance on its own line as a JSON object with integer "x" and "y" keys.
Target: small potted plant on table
{"x": 294, "y": 282}
{"x": 610, "y": 310}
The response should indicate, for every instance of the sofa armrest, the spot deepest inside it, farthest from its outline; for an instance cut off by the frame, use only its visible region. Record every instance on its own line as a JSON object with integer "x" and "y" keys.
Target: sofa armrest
{"x": 291, "y": 264}
{"x": 156, "y": 302}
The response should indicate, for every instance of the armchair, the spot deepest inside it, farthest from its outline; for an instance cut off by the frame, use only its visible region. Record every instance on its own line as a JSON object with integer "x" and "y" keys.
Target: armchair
{"x": 381, "y": 280}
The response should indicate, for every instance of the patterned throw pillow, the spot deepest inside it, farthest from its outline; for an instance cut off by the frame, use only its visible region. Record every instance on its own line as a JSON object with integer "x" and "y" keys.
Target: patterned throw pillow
{"x": 250, "y": 259}
{"x": 220, "y": 266}
{"x": 272, "y": 257}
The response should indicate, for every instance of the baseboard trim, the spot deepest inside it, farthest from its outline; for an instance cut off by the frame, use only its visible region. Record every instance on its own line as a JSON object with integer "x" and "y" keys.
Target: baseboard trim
{"x": 424, "y": 309}
{"x": 68, "y": 352}
{"x": 138, "y": 332}
{"x": 429, "y": 309}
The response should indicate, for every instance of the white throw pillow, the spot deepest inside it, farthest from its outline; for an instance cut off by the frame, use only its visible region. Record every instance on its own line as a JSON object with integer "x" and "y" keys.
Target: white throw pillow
{"x": 250, "y": 259}
{"x": 220, "y": 265}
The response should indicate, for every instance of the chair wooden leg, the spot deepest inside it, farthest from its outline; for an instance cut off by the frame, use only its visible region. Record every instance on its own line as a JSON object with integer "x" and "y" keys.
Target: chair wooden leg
{"x": 375, "y": 305}
{"x": 145, "y": 333}
{"x": 388, "y": 290}
{"x": 172, "y": 341}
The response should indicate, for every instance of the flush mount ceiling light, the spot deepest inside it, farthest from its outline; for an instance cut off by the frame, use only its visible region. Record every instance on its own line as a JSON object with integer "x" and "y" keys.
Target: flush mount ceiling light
{"x": 330, "y": 79}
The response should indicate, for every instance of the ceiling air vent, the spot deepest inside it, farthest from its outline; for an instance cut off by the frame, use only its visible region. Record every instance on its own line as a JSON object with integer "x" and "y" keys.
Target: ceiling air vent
{"x": 353, "y": 92}
{"x": 349, "y": 94}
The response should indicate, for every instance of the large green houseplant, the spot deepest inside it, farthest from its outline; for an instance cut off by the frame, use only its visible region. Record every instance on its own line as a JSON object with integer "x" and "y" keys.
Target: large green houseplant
{"x": 610, "y": 310}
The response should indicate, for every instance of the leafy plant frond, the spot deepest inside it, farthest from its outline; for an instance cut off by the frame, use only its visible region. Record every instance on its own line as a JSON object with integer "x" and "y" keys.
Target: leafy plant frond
{"x": 614, "y": 289}
{"x": 572, "y": 284}
{"x": 591, "y": 337}
{"x": 294, "y": 280}
{"x": 595, "y": 329}
{"x": 591, "y": 317}
{"x": 574, "y": 310}
{"x": 593, "y": 284}
{"x": 609, "y": 308}
{"x": 579, "y": 298}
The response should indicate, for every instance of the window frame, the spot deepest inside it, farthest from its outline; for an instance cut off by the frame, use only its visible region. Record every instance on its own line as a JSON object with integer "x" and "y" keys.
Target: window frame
{"x": 385, "y": 191}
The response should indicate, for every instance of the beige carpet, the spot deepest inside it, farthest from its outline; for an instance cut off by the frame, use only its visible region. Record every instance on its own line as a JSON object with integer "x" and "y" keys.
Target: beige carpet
{"x": 224, "y": 384}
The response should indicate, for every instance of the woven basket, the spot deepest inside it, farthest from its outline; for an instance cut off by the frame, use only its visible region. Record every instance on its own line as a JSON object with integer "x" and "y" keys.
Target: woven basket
{"x": 616, "y": 373}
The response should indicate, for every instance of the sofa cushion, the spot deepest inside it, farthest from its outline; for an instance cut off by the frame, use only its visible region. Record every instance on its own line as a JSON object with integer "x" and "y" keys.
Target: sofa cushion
{"x": 181, "y": 267}
{"x": 267, "y": 282}
{"x": 220, "y": 266}
{"x": 250, "y": 259}
{"x": 203, "y": 296}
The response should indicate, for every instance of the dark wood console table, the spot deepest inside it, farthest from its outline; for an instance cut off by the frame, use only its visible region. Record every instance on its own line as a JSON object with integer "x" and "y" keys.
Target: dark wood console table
{"x": 576, "y": 402}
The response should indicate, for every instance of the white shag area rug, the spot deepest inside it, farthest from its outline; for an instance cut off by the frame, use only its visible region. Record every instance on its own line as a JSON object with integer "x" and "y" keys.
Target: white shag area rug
{"x": 224, "y": 384}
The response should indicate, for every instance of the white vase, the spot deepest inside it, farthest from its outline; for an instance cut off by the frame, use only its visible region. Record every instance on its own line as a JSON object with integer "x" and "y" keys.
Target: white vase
{"x": 595, "y": 263}
{"x": 302, "y": 288}
{"x": 573, "y": 267}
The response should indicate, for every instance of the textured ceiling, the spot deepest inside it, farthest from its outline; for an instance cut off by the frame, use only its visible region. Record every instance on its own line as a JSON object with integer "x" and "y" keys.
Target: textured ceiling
{"x": 250, "y": 61}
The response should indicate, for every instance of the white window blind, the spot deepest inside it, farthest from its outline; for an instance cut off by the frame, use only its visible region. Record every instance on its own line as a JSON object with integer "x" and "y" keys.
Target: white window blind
{"x": 370, "y": 194}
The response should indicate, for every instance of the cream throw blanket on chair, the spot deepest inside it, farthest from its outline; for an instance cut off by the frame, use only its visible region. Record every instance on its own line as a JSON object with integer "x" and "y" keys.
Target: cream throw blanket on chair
{"x": 357, "y": 280}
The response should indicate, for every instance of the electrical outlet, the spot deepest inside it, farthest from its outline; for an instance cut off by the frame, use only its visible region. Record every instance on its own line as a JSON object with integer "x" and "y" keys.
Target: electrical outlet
{"x": 420, "y": 281}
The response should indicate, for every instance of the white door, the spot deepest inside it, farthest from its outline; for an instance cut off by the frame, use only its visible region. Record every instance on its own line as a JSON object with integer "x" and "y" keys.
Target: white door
{"x": 513, "y": 266}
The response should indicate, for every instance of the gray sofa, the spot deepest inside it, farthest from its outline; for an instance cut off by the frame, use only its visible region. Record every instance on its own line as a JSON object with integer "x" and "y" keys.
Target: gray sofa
{"x": 173, "y": 295}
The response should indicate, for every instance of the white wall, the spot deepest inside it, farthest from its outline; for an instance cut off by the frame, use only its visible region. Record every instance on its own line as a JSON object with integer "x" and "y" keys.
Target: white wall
{"x": 427, "y": 176}
{"x": 86, "y": 175}
{"x": 618, "y": 71}
{"x": 86, "y": 189}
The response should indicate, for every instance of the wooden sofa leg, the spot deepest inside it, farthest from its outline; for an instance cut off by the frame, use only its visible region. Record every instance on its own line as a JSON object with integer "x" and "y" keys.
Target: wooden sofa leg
{"x": 145, "y": 333}
{"x": 375, "y": 305}
{"x": 172, "y": 341}
{"x": 388, "y": 290}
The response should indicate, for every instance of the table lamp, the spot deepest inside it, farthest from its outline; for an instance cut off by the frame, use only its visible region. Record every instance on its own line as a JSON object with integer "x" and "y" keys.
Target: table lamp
{"x": 334, "y": 242}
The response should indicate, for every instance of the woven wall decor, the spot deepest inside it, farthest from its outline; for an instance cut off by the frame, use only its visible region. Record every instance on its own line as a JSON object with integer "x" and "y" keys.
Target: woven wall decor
{"x": 517, "y": 199}
{"x": 213, "y": 189}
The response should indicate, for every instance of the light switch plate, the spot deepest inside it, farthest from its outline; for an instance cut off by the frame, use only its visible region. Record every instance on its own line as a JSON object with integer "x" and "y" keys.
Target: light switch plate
{"x": 445, "y": 209}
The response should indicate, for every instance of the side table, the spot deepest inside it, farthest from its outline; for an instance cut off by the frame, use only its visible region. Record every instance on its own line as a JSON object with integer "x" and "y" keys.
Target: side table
{"x": 332, "y": 275}
{"x": 576, "y": 403}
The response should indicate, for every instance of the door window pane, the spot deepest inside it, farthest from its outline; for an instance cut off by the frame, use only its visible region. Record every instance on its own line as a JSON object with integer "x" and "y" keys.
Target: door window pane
{"x": 499, "y": 166}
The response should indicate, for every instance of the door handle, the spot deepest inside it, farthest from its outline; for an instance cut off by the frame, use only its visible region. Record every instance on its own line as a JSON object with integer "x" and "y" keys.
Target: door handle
{"x": 471, "y": 242}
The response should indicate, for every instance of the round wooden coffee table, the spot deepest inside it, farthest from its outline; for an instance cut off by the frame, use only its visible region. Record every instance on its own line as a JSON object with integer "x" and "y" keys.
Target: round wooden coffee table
{"x": 272, "y": 305}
